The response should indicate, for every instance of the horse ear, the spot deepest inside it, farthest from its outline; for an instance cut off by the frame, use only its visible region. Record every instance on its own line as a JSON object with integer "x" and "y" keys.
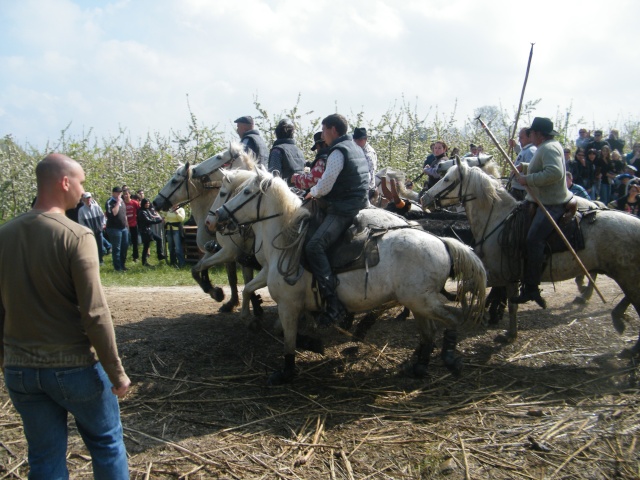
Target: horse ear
{"x": 458, "y": 162}
{"x": 186, "y": 165}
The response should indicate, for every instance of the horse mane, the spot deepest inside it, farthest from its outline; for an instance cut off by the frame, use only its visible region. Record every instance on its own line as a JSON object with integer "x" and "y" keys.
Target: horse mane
{"x": 248, "y": 158}
{"x": 483, "y": 186}
{"x": 492, "y": 168}
{"x": 282, "y": 195}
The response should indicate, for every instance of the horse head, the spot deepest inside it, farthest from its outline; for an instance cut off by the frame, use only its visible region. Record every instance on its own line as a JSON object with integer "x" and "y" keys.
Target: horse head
{"x": 221, "y": 216}
{"x": 176, "y": 189}
{"x": 448, "y": 190}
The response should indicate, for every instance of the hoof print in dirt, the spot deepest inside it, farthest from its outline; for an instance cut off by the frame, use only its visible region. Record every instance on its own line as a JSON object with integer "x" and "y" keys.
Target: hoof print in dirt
{"x": 217, "y": 294}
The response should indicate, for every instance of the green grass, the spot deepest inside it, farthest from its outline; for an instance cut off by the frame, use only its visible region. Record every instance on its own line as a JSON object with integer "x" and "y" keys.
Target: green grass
{"x": 160, "y": 275}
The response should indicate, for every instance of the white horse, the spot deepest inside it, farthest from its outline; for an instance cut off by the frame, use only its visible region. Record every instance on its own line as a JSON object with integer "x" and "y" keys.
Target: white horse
{"x": 198, "y": 185}
{"x": 611, "y": 240}
{"x": 414, "y": 267}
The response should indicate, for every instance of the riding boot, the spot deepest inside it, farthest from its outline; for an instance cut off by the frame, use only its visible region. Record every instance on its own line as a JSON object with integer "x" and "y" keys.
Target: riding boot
{"x": 528, "y": 293}
{"x": 334, "y": 310}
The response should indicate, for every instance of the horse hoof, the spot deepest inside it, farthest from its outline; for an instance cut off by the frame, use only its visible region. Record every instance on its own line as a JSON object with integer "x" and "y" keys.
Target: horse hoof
{"x": 504, "y": 338}
{"x": 258, "y": 311}
{"x": 217, "y": 294}
{"x": 454, "y": 363}
{"x": 347, "y": 321}
{"x": 228, "y": 307}
{"x": 579, "y": 301}
{"x": 618, "y": 324}
{"x": 280, "y": 378}
{"x": 627, "y": 354}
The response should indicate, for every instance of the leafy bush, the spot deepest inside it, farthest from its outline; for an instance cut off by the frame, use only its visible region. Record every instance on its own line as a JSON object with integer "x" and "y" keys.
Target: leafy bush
{"x": 401, "y": 136}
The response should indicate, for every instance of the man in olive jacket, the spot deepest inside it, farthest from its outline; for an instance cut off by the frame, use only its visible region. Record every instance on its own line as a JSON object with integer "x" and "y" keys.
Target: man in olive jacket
{"x": 545, "y": 176}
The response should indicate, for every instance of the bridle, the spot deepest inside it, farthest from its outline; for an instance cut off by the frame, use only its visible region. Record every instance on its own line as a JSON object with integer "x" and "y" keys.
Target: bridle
{"x": 231, "y": 213}
{"x": 462, "y": 196}
{"x": 186, "y": 178}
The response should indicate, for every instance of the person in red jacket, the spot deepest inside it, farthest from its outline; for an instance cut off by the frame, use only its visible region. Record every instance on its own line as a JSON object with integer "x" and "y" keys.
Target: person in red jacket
{"x": 132, "y": 220}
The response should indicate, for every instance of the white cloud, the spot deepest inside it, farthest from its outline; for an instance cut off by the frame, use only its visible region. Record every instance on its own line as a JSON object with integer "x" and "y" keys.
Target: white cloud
{"x": 133, "y": 63}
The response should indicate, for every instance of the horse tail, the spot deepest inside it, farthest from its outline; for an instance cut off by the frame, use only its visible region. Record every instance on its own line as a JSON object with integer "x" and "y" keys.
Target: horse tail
{"x": 468, "y": 271}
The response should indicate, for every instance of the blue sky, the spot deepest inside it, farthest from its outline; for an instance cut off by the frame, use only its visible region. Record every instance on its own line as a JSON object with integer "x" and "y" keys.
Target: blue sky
{"x": 130, "y": 64}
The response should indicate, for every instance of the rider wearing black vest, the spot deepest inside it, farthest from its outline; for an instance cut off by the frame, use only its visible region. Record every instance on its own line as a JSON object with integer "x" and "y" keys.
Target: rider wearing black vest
{"x": 251, "y": 139}
{"x": 285, "y": 156}
{"x": 344, "y": 186}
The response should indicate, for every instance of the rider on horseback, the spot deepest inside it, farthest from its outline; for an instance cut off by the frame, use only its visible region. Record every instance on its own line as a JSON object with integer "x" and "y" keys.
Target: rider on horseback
{"x": 343, "y": 187}
{"x": 545, "y": 176}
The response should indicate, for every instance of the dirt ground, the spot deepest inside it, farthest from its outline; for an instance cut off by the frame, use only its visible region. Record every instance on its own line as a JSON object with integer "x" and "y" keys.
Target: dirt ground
{"x": 558, "y": 403}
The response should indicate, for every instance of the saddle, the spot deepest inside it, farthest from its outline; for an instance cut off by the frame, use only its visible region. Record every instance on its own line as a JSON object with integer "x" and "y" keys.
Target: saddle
{"x": 358, "y": 248}
{"x": 518, "y": 222}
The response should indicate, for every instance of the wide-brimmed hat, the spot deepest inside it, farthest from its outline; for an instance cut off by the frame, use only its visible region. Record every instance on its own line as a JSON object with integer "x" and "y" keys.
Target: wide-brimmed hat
{"x": 247, "y": 119}
{"x": 543, "y": 125}
{"x": 359, "y": 132}
{"x": 317, "y": 138}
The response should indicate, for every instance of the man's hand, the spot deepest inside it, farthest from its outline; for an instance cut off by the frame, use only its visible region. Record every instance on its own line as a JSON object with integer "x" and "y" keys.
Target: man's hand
{"x": 308, "y": 196}
{"x": 522, "y": 180}
{"x": 121, "y": 390}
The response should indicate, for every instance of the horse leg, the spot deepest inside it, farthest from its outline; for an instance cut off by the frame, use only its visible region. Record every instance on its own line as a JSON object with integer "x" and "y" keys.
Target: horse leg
{"x": 618, "y": 315}
{"x": 256, "y": 300}
{"x": 449, "y": 356}
{"x": 423, "y": 352}
{"x": 403, "y": 315}
{"x": 497, "y": 302}
{"x": 202, "y": 278}
{"x": 367, "y": 322}
{"x": 586, "y": 291}
{"x": 232, "y": 275}
{"x": 511, "y": 335}
{"x": 249, "y": 296}
{"x": 289, "y": 315}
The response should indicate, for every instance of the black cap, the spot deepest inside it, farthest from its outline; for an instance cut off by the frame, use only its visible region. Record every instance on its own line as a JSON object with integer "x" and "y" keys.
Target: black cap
{"x": 317, "y": 138}
{"x": 543, "y": 125}
{"x": 246, "y": 119}
{"x": 116, "y": 189}
{"x": 359, "y": 132}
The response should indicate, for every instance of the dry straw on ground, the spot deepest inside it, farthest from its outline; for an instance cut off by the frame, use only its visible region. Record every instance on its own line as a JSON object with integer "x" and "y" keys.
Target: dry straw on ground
{"x": 557, "y": 404}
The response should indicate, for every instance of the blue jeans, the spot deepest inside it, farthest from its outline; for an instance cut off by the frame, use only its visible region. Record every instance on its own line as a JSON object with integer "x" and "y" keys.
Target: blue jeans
{"x": 99, "y": 242}
{"x": 175, "y": 247}
{"x": 539, "y": 231}
{"x": 119, "y": 239}
{"x": 44, "y": 396}
{"x": 106, "y": 245}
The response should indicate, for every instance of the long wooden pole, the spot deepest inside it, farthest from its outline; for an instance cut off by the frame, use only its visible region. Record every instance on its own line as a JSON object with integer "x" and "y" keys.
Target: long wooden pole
{"x": 524, "y": 86}
{"x": 540, "y": 205}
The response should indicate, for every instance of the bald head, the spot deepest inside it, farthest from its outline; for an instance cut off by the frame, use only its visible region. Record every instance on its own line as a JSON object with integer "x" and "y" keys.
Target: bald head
{"x": 59, "y": 181}
{"x": 53, "y": 168}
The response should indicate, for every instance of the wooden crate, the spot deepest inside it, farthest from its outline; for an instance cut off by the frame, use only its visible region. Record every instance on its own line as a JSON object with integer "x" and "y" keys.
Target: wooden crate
{"x": 190, "y": 246}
